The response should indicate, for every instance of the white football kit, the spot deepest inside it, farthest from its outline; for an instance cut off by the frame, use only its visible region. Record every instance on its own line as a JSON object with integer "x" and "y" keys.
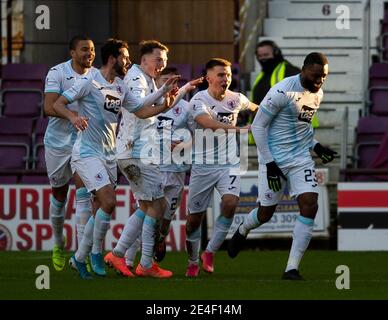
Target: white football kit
{"x": 215, "y": 160}
{"x": 60, "y": 134}
{"x": 286, "y": 112}
{"x": 94, "y": 152}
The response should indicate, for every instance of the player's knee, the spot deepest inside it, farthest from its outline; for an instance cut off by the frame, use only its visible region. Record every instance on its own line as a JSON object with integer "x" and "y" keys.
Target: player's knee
{"x": 108, "y": 203}
{"x": 193, "y": 223}
{"x": 309, "y": 208}
{"x": 60, "y": 194}
{"x": 229, "y": 205}
{"x": 265, "y": 214}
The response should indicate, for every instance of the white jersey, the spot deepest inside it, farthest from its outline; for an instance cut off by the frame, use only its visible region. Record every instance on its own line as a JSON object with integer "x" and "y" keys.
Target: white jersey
{"x": 173, "y": 126}
{"x": 135, "y": 134}
{"x": 221, "y": 150}
{"x": 100, "y": 101}
{"x": 60, "y": 133}
{"x": 290, "y": 133}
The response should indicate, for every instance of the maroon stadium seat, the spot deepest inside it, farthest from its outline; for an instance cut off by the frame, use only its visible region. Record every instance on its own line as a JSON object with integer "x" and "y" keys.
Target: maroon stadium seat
{"x": 378, "y": 75}
{"x": 35, "y": 179}
{"x": 16, "y": 130}
{"x": 22, "y": 90}
{"x": 371, "y": 129}
{"x": 379, "y": 100}
{"x": 8, "y": 179}
{"x": 14, "y": 155}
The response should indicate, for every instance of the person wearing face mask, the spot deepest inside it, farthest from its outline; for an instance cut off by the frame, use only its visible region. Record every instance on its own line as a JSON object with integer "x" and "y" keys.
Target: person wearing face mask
{"x": 274, "y": 68}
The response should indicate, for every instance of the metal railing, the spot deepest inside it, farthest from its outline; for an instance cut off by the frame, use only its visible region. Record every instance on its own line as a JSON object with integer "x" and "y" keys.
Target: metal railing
{"x": 366, "y": 55}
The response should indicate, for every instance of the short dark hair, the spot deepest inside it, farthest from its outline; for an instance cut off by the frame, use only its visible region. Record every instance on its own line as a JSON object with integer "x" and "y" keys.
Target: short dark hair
{"x": 275, "y": 48}
{"x": 74, "y": 41}
{"x": 217, "y": 62}
{"x": 315, "y": 58}
{"x": 148, "y": 46}
{"x": 169, "y": 70}
{"x": 112, "y": 48}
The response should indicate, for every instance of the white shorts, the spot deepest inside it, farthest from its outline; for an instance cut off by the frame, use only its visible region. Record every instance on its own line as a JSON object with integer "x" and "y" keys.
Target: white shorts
{"x": 59, "y": 170}
{"x": 173, "y": 185}
{"x": 300, "y": 179}
{"x": 145, "y": 179}
{"x": 203, "y": 180}
{"x": 95, "y": 172}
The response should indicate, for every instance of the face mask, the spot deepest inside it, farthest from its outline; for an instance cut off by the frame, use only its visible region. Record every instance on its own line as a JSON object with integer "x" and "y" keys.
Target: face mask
{"x": 268, "y": 65}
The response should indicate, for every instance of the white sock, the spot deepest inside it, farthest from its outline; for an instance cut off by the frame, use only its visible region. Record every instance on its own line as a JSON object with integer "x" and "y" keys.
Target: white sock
{"x": 193, "y": 242}
{"x": 148, "y": 241}
{"x": 130, "y": 254}
{"x": 130, "y": 233}
{"x": 219, "y": 234}
{"x": 101, "y": 226}
{"x": 251, "y": 221}
{"x": 87, "y": 240}
{"x": 303, "y": 232}
{"x": 83, "y": 211}
{"x": 57, "y": 215}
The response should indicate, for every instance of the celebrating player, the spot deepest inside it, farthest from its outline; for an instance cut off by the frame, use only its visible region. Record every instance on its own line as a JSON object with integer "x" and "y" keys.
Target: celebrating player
{"x": 100, "y": 97}
{"x": 284, "y": 137}
{"x": 59, "y": 140}
{"x": 214, "y": 112}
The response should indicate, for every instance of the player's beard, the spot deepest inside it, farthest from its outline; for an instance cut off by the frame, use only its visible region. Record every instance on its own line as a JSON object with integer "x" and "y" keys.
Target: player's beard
{"x": 121, "y": 70}
{"x": 84, "y": 63}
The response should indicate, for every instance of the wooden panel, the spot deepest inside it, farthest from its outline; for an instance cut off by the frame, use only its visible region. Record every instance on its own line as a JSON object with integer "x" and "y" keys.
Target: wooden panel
{"x": 213, "y": 21}
{"x": 193, "y": 30}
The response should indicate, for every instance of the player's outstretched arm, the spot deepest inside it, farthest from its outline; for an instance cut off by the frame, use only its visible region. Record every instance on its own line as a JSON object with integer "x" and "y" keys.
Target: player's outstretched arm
{"x": 188, "y": 87}
{"x": 207, "y": 122}
{"x": 149, "y": 110}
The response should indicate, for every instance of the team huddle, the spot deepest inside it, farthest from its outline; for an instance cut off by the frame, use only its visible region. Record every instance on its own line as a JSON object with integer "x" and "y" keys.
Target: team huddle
{"x": 160, "y": 138}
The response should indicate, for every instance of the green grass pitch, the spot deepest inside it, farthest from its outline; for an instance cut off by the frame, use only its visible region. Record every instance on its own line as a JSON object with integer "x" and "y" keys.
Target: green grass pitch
{"x": 253, "y": 275}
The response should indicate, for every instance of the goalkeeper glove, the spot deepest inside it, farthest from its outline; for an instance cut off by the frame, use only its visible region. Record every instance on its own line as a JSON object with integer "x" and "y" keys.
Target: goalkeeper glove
{"x": 325, "y": 154}
{"x": 273, "y": 176}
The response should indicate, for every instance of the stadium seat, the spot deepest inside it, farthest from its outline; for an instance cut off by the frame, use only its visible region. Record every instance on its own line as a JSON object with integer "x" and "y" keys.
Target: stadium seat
{"x": 40, "y": 129}
{"x": 16, "y": 130}
{"x": 378, "y": 75}
{"x": 35, "y": 179}
{"x": 8, "y": 179}
{"x": 371, "y": 129}
{"x": 365, "y": 153}
{"x": 14, "y": 155}
{"x": 379, "y": 100}
{"x": 38, "y": 158}
{"x": 22, "y": 90}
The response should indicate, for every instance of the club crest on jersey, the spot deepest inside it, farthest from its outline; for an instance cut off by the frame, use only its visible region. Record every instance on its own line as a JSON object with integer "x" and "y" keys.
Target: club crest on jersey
{"x": 177, "y": 111}
{"x": 306, "y": 114}
{"x": 98, "y": 177}
{"x": 225, "y": 117}
{"x": 119, "y": 90}
{"x": 231, "y": 104}
{"x": 112, "y": 104}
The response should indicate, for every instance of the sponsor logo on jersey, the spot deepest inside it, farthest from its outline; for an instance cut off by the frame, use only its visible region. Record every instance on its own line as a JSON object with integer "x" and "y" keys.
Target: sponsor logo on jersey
{"x": 164, "y": 122}
{"x": 225, "y": 117}
{"x": 69, "y": 78}
{"x": 306, "y": 114}
{"x": 112, "y": 104}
